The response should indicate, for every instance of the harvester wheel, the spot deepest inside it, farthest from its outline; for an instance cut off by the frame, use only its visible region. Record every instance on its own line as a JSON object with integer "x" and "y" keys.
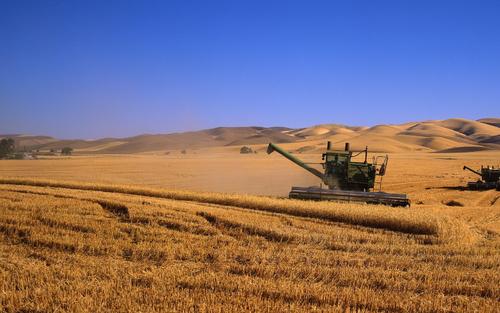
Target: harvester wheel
{"x": 498, "y": 185}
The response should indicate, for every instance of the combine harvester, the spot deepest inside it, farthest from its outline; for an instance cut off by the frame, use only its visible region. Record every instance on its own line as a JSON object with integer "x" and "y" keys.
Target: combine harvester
{"x": 346, "y": 180}
{"x": 490, "y": 178}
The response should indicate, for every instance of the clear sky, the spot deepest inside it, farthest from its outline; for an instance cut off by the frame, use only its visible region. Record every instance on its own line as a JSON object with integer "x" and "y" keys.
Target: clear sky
{"x": 88, "y": 69}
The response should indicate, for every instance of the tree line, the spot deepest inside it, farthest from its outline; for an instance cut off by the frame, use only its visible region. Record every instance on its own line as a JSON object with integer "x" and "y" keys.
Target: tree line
{"x": 8, "y": 149}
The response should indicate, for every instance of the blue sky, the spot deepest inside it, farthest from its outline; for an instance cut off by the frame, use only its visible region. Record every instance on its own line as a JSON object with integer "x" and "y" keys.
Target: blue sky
{"x": 89, "y": 69}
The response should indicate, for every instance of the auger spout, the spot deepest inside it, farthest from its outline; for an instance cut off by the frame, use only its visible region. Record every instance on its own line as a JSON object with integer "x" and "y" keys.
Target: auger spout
{"x": 272, "y": 147}
{"x": 473, "y": 171}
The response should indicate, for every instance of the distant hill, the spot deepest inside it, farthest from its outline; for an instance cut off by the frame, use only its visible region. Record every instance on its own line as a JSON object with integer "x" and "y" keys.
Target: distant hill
{"x": 492, "y": 121}
{"x": 451, "y": 135}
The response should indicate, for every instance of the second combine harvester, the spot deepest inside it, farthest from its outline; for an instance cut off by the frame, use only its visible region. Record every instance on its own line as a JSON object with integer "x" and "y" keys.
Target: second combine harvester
{"x": 346, "y": 180}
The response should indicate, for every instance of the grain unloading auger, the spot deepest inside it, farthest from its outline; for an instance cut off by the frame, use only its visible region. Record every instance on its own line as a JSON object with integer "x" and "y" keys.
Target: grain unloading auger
{"x": 346, "y": 180}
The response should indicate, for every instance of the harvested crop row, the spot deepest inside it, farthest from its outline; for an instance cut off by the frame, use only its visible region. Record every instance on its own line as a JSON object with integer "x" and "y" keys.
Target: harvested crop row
{"x": 393, "y": 219}
{"x": 61, "y": 248}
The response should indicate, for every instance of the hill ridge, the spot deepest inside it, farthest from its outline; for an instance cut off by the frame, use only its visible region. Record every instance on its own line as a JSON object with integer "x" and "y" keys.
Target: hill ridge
{"x": 454, "y": 134}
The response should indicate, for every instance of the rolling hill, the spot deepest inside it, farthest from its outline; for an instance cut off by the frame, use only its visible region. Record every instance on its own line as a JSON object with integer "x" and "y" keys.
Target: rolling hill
{"x": 451, "y": 135}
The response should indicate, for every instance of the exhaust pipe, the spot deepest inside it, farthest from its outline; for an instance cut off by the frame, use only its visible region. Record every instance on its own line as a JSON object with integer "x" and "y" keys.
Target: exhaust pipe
{"x": 328, "y": 145}
{"x": 346, "y": 146}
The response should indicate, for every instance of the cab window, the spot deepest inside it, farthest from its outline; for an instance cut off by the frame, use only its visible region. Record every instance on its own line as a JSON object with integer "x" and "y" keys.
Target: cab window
{"x": 337, "y": 158}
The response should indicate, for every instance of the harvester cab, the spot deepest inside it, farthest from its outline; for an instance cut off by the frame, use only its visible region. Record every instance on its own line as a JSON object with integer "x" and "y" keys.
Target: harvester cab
{"x": 341, "y": 172}
{"x": 347, "y": 180}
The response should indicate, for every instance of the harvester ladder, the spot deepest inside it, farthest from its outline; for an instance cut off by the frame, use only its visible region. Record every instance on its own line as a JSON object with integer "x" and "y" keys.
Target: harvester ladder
{"x": 380, "y": 163}
{"x": 379, "y": 182}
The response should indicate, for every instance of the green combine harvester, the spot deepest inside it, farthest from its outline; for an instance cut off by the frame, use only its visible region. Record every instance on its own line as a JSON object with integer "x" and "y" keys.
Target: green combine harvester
{"x": 346, "y": 179}
{"x": 490, "y": 178}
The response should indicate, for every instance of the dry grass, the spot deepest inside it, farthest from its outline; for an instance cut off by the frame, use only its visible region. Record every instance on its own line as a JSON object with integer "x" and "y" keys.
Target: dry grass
{"x": 100, "y": 234}
{"x": 83, "y": 248}
{"x": 395, "y": 219}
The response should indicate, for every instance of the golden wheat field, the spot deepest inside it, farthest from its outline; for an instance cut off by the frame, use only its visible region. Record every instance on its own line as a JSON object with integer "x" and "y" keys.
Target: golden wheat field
{"x": 213, "y": 233}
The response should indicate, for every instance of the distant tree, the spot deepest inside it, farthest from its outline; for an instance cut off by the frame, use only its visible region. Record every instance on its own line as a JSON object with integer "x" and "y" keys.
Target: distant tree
{"x": 53, "y": 150}
{"x": 245, "y": 150}
{"x": 7, "y": 146}
{"x": 183, "y": 151}
{"x": 66, "y": 151}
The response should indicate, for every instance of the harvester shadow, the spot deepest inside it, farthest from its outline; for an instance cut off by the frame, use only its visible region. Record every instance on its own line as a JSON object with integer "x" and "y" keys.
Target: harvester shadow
{"x": 459, "y": 188}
